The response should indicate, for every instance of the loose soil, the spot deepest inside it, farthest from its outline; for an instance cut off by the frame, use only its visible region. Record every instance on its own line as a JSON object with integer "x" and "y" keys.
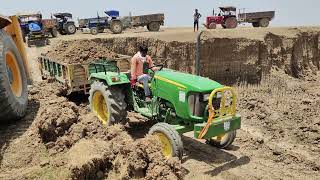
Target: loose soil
{"x": 279, "y": 139}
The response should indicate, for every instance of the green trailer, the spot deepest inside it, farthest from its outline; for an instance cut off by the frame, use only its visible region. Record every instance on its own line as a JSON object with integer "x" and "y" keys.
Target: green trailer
{"x": 75, "y": 76}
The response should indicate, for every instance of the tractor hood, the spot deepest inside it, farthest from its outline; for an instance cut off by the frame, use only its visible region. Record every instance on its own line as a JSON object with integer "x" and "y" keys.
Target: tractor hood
{"x": 187, "y": 81}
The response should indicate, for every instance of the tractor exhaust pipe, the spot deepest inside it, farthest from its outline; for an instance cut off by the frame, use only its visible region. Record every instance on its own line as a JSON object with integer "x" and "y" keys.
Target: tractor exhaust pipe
{"x": 198, "y": 54}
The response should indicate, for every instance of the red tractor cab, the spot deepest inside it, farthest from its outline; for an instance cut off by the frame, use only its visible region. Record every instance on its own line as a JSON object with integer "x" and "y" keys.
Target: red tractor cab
{"x": 227, "y": 18}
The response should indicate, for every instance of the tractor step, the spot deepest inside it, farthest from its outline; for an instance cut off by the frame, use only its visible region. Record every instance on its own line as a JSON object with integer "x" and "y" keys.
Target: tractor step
{"x": 219, "y": 126}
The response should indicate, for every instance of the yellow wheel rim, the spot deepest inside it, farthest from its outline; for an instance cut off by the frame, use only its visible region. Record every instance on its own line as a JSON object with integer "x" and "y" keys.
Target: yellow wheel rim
{"x": 14, "y": 74}
{"x": 100, "y": 107}
{"x": 166, "y": 145}
{"x": 219, "y": 137}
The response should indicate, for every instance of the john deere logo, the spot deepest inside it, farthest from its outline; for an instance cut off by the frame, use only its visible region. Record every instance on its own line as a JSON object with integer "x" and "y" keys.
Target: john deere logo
{"x": 226, "y": 125}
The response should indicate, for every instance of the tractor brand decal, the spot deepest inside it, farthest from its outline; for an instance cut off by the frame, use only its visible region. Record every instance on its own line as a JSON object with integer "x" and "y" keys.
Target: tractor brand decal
{"x": 226, "y": 125}
{"x": 182, "y": 96}
{"x": 171, "y": 82}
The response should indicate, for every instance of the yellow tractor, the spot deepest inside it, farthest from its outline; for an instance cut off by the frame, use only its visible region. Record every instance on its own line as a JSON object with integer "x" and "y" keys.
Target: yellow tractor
{"x": 14, "y": 74}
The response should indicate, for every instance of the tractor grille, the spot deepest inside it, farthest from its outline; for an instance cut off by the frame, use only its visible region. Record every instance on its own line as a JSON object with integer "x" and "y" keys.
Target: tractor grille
{"x": 198, "y": 105}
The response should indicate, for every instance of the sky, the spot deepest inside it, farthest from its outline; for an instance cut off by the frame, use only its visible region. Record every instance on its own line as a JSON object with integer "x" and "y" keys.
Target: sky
{"x": 178, "y": 13}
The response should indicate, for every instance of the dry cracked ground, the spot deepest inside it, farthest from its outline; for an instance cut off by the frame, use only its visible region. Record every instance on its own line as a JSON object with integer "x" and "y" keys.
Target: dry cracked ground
{"x": 279, "y": 139}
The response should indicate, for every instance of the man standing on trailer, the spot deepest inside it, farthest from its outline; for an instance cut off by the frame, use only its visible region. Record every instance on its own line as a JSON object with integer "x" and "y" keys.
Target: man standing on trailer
{"x": 196, "y": 18}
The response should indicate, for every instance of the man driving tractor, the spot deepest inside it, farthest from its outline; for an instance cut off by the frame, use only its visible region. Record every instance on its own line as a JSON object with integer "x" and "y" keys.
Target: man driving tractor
{"x": 140, "y": 64}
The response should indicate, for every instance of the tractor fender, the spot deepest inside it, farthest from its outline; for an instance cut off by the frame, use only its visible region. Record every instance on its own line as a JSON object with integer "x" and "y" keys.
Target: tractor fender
{"x": 110, "y": 78}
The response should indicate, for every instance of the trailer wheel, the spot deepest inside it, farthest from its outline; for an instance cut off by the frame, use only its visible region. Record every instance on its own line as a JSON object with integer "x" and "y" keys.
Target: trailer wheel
{"x": 212, "y": 25}
{"x": 154, "y": 26}
{"x": 13, "y": 81}
{"x": 54, "y": 32}
{"x": 94, "y": 31}
{"x": 170, "y": 140}
{"x": 116, "y": 27}
{"x": 108, "y": 103}
{"x": 71, "y": 28}
{"x": 231, "y": 23}
{"x": 223, "y": 141}
{"x": 264, "y": 22}
{"x": 255, "y": 24}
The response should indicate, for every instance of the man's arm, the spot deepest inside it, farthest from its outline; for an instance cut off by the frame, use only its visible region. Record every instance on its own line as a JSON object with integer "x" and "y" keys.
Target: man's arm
{"x": 133, "y": 68}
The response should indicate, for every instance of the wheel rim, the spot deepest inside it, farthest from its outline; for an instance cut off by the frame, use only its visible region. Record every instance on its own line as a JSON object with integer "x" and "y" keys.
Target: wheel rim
{"x": 220, "y": 137}
{"x": 100, "y": 107}
{"x": 166, "y": 145}
{"x": 71, "y": 29}
{"x": 117, "y": 28}
{"x": 14, "y": 74}
{"x": 94, "y": 31}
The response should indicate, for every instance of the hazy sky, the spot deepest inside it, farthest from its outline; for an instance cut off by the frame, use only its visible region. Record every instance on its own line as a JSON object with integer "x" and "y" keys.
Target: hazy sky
{"x": 177, "y": 12}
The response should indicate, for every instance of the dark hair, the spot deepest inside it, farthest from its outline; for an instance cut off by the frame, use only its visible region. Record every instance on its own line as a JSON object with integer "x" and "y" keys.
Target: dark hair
{"x": 143, "y": 48}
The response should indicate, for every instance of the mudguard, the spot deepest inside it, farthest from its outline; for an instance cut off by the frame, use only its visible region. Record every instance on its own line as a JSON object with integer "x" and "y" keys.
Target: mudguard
{"x": 111, "y": 78}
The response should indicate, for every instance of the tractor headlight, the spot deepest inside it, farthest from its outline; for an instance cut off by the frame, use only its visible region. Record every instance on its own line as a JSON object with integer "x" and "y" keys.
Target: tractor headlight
{"x": 206, "y": 97}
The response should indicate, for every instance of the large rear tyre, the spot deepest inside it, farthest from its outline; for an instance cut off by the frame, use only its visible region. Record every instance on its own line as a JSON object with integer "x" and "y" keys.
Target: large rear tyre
{"x": 264, "y": 22}
{"x": 223, "y": 141}
{"x": 70, "y": 29}
{"x": 255, "y": 24}
{"x": 108, "y": 103}
{"x": 169, "y": 138}
{"x": 116, "y": 27}
{"x": 13, "y": 81}
{"x": 231, "y": 23}
{"x": 154, "y": 26}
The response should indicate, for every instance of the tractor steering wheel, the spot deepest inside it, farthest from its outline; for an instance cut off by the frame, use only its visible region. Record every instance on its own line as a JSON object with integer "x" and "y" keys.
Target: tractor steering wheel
{"x": 159, "y": 65}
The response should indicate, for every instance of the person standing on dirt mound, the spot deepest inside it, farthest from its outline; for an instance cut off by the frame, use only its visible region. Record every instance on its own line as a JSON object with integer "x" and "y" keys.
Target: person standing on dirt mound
{"x": 196, "y": 18}
{"x": 140, "y": 65}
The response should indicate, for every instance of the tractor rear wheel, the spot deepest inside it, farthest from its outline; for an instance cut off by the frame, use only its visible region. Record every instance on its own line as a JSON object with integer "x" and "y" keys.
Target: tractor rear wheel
{"x": 170, "y": 140}
{"x": 212, "y": 25}
{"x": 70, "y": 28}
{"x": 223, "y": 141}
{"x": 13, "y": 81}
{"x": 116, "y": 27}
{"x": 231, "y": 23}
{"x": 108, "y": 103}
{"x": 154, "y": 26}
{"x": 264, "y": 22}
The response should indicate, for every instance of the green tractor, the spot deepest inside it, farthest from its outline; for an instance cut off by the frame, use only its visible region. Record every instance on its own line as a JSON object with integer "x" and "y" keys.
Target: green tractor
{"x": 180, "y": 103}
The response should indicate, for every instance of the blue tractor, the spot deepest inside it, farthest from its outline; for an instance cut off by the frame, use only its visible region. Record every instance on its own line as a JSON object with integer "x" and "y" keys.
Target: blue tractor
{"x": 32, "y": 29}
{"x": 99, "y": 24}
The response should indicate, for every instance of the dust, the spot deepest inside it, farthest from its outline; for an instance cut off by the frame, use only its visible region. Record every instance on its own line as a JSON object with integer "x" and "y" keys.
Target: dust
{"x": 80, "y": 51}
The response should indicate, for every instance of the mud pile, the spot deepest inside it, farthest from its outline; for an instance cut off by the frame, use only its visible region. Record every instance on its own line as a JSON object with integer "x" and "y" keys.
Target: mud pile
{"x": 80, "y": 51}
{"x": 71, "y": 142}
{"x": 283, "y": 114}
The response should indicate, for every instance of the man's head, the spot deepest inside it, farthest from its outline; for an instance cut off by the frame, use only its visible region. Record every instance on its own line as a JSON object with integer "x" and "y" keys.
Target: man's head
{"x": 196, "y": 10}
{"x": 143, "y": 50}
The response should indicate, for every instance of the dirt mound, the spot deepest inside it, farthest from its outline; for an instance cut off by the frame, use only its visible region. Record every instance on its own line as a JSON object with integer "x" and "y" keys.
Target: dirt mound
{"x": 80, "y": 51}
{"x": 286, "y": 112}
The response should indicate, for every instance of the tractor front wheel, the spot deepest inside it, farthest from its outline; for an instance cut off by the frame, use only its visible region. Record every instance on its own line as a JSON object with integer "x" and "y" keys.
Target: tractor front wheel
{"x": 212, "y": 25}
{"x": 94, "y": 31}
{"x": 223, "y": 141}
{"x": 54, "y": 32}
{"x": 170, "y": 140}
{"x": 108, "y": 103}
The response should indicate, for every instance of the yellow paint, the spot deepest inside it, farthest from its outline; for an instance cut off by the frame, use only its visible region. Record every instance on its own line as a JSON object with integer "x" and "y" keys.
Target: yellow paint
{"x": 171, "y": 82}
{"x": 14, "y": 31}
{"x": 166, "y": 145}
{"x": 99, "y": 107}
{"x": 223, "y": 111}
{"x": 13, "y": 67}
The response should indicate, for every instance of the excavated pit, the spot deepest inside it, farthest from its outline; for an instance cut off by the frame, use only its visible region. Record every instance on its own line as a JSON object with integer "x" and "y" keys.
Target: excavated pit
{"x": 226, "y": 60}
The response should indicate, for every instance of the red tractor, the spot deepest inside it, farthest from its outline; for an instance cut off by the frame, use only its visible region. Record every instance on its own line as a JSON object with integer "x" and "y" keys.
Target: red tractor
{"x": 227, "y": 18}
